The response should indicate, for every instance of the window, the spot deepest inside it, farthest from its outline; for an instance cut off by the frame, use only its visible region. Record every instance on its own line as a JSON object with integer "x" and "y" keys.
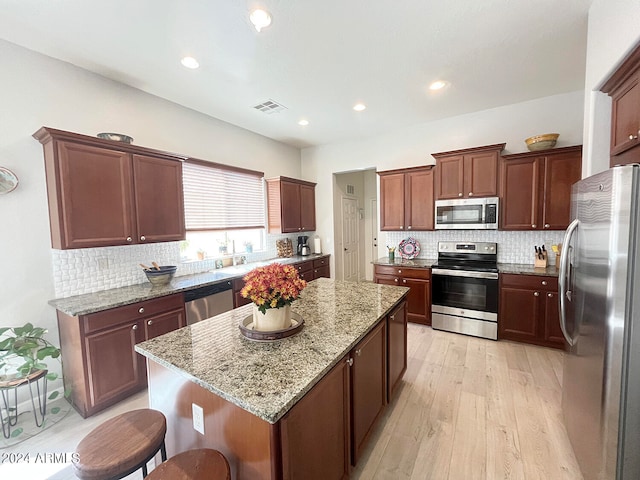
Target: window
{"x": 224, "y": 209}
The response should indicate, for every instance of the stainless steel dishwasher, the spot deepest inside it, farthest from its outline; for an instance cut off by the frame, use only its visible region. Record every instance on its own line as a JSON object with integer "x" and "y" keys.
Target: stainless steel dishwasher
{"x": 207, "y": 301}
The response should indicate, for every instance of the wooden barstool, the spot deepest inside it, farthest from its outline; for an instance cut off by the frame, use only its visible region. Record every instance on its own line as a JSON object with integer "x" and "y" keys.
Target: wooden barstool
{"x": 121, "y": 445}
{"x": 201, "y": 464}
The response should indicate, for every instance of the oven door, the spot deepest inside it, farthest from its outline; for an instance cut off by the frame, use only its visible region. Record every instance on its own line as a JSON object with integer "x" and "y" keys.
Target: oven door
{"x": 461, "y": 290}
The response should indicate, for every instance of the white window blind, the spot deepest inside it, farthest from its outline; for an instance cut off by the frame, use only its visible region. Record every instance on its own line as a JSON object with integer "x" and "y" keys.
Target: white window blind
{"x": 219, "y": 197}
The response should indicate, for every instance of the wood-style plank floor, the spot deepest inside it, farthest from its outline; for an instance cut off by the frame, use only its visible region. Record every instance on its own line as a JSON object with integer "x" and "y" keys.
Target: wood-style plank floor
{"x": 468, "y": 409}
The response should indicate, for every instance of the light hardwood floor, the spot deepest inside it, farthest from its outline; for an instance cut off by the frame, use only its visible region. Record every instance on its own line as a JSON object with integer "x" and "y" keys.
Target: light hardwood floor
{"x": 468, "y": 409}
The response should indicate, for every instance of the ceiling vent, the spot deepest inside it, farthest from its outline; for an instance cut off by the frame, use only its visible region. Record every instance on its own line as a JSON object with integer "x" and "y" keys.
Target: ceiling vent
{"x": 270, "y": 106}
{"x": 351, "y": 190}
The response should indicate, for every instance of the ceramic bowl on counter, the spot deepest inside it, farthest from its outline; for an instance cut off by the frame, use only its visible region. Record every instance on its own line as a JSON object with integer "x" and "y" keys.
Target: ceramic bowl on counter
{"x": 162, "y": 276}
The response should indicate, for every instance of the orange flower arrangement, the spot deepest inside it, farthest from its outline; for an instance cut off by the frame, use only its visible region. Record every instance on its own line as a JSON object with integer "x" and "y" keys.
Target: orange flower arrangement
{"x": 273, "y": 286}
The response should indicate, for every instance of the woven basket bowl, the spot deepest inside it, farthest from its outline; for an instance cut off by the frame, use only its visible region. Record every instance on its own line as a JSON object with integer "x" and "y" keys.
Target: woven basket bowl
{"x": 542, "y": 142}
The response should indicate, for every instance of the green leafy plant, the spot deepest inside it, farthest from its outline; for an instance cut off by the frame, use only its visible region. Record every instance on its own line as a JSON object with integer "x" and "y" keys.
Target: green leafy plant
{"x": 29, "y": 345}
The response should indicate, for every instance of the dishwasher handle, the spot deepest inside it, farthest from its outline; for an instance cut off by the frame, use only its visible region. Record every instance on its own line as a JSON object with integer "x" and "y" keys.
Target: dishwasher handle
{"x": 205, "y": 291}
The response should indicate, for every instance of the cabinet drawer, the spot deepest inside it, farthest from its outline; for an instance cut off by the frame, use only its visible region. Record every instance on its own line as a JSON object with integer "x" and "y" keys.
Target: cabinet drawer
{"x": 423, "y": 273}
{"x": 238, "y": 284}
{"x": 320, "y": 262}
{"x": 541, "y": 282}
{"x": 114, "y": 316}
{"x": 305, "y": 266}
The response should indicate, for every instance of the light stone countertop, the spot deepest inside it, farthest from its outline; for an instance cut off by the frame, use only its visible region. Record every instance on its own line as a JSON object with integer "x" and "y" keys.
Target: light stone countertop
{"x": 268, "y": 378}
{"x": 117, "y": 297}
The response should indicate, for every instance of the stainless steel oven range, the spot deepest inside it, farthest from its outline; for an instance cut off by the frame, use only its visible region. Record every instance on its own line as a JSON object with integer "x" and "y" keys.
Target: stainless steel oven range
{"x": 464, "y": 289}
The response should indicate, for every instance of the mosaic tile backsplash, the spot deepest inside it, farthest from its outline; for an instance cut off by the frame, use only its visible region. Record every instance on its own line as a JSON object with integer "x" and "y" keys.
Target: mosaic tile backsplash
{"x": 88, "y": 270}
{"x": 513, "y": 247}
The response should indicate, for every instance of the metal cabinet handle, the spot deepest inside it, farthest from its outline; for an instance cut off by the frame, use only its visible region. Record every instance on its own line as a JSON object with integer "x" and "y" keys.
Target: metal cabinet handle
{"x": 141, "y": 310}
{"x": 409, "y": 227}
{"x": 129, "y": 239}
{"x": 634, "y": 137}
{"x": 150, "y": 322}
{"x": 395, "y": 280}
{"x": 550, "y": 295}
{"x": 392, "y": 317}
{"x": 460, "y": 194}
{"x": 404, "y": 280}
{"x": 401, "y": 227}
{"x": 399, "y": 272}
{"x": 533, "y": 226}
{"x": 471, "y": 194}
{"x": 142, "y": 238}
{"x": 350, "y": 361}
{"x": 358, "y": 352}
{"x": 536, "y": 294}
{"x": 544, "y": 282}
{"x": 546, "y": 225}
{"x": 135, "y": 327}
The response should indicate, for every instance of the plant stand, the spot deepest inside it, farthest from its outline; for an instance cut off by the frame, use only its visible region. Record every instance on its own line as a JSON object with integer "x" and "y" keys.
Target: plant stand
{"x": 7, "y": 387}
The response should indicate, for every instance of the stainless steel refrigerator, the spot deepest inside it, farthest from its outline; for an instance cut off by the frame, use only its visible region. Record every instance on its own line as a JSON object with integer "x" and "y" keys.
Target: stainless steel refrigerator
{"x": 599, "y": 283}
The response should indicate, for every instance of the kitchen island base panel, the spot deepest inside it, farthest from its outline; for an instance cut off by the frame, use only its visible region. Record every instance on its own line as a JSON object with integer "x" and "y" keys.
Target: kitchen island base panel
{"x": 248, "y": 442}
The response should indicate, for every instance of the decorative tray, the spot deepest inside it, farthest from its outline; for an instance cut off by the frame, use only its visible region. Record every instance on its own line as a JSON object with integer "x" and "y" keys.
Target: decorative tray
{"x": 409, "y": 248}
{"x": 246, "y": 328}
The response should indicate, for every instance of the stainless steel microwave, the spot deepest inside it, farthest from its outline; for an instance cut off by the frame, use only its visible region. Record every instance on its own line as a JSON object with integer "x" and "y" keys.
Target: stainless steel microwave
{"x": 467, "y": 214}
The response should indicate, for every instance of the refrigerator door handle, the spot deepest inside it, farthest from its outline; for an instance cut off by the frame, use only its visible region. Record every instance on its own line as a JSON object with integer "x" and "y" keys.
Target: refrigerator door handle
{"x": 563, "y": 289}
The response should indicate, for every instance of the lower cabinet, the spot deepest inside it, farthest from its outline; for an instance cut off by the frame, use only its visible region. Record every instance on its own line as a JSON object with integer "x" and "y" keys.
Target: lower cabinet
{"x": 238, "y": 299}
{"x": 419, "y": 282}
{"x": 321, "y": 268}
{"x": 529, "y": 310}
{"x": 100, "y": 365}
{"x": 327, "y": 430}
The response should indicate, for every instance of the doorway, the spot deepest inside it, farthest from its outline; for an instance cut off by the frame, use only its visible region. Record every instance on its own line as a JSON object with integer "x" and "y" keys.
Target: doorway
{"x": 350, "y": 240}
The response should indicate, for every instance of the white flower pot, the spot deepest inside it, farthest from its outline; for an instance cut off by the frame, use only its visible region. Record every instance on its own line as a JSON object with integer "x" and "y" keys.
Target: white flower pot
{"x": 272, "y": 319}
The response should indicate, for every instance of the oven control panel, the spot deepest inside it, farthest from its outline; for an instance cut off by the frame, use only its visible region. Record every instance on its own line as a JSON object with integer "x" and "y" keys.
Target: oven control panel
{"x": 489, "y": 248}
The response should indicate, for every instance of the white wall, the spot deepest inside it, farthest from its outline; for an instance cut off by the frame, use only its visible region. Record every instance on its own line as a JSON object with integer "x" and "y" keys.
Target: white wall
{"x": 413, "y": 146}
{"x": 36, "y": 90}
{"x": 614, "y": 31}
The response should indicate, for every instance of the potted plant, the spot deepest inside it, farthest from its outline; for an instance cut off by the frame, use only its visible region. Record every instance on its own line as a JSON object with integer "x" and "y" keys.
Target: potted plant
{"x": 23, "y": 351}
{"x": 272, "y": 289}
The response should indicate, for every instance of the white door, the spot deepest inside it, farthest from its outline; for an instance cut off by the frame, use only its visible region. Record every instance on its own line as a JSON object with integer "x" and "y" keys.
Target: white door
{"x": 350, "y": 239}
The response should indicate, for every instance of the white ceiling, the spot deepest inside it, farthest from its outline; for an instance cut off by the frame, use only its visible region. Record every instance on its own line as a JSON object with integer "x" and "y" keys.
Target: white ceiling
{"x": 318, "y": 58}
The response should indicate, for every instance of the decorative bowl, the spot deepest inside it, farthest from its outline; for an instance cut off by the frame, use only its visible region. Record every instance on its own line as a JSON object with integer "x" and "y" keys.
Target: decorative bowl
{"x": 542, "y": 142}
{"x": 162, "y": 276}
{"x": 117, "y": 137}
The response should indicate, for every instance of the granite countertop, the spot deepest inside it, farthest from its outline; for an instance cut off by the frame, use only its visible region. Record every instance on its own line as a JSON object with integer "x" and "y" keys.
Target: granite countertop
{"x": 527, "y": 269}
{"x": 117, "y": 297}
{"x": 268, "y": 378}
{"x": 400, "y": 262}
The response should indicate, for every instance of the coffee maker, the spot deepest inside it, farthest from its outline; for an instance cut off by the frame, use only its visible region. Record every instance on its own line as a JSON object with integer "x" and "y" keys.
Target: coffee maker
{"x": 303, "y": 246}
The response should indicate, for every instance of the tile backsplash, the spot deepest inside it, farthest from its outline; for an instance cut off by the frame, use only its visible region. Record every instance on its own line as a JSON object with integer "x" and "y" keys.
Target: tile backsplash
{"x": 513, "y": 247}
{"x": 88, "y": 270}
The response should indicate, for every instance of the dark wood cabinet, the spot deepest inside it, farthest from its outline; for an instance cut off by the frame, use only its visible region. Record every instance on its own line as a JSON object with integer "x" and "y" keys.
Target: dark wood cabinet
{"x": 368, "y": 386}
{"x": 238, "y": 299}
{"x": 305, "y": 270}
{"x": 624, "y": 88}
{"x": 396, "y": 348}
{"x": 529, "y": 310}
{"x": 536, "y": 188}
{"x": 406, "y": 199}
{"x": 104, "y": 193}
{"x": 471, "y": 172}
{"x": 100, "y": 365}
{"x": 419, "y": 282}
{"x": 321, "y": 268}
{"x": 291, "y": 205}
{"x": 316, "y": 433}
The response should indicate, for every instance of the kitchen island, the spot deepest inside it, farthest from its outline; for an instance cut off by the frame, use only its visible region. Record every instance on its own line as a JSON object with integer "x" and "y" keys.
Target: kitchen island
{"x": 301, "y": 407}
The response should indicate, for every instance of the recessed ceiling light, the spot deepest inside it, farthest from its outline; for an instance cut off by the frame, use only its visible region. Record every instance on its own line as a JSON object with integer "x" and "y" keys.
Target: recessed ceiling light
{"x": 189, "y": 62}
{"x": 303, "y": 122}
{"x": 438, "y": 85}
{"x": 358, "y": 107}
{"x": 260, "y": 18}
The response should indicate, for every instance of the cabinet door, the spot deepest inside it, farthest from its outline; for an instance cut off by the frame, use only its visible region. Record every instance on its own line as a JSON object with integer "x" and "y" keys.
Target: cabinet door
{"x": 450, "y": 177}
{"x": 165, "y": 323}
{"x": 321, "y": 272}
{"x": 392, "y": 198}
{"x": 159, "y": 202}
{"x": 114, "y": 368}
{"x": 519, "y": 313}
{"x": 369, "y": 386}
{"x": 315, "y": 433}
{"x": 396, "y": 348}
{"x": 307, "y": 208}
{"x": 418, "y": 300}
{"x": 481, "y": 174}
{"x": 520, "y": 194}
{"x": 552, "y": 331}
{"x": 561, "y": 171}
{"x": 93, "y": 205}
{"x": 625, "y": 114}
{"x": 291, "y": 207}
{"x": 238, "y": 299}
{"x": 419, "y": 214}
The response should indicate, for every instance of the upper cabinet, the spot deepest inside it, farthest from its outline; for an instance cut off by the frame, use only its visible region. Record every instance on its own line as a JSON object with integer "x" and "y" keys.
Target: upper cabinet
{"x": 406, "y": 199}
{"x": 105, "y": 193}
{"x": 291, "y": 205}
{"x": 624, "y": 89}
{"x": 536, "y": 188}
{"x": 472, "y": 172}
